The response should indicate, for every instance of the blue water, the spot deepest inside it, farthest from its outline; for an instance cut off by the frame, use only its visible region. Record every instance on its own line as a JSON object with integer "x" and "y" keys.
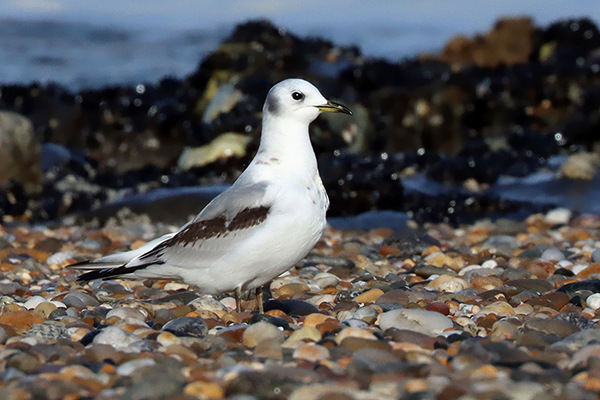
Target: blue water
{"x": 85, "y": 44}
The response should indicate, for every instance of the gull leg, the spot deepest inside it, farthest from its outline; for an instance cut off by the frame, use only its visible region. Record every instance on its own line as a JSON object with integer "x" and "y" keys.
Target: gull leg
{"x": 238, "y": 299}
{"x": 259, "y": 298}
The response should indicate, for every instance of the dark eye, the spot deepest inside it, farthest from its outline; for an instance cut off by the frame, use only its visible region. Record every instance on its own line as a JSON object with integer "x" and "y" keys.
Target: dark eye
{"x": 298, "y": 96}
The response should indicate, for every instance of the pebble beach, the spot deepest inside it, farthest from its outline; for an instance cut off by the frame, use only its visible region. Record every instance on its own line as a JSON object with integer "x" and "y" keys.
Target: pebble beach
{"x": 490, "y": 310}
{"x": 462, "y": 258}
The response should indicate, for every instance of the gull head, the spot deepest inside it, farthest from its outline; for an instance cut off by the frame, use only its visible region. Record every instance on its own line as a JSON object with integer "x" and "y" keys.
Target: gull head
{"x": 299, "y": 100}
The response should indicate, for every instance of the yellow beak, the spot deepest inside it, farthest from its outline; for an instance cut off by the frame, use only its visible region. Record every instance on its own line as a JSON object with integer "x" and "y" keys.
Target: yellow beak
{"x": 335, "y": 107}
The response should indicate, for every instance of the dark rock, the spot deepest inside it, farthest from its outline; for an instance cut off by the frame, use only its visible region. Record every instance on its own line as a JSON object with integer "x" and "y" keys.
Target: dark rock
{"x": 80, "y": 300}
{"x": 536, "y": 285}
{"x": 187, "y": 326}
{"x": 591, "y": 285}
{"x": 411, "y": 242}
{"x": 277, "y": 321}
{"x": 291, "y": 307}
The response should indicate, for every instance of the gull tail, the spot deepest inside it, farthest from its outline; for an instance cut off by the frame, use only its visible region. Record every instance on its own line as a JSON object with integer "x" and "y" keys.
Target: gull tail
{"x": 114, "y": 264}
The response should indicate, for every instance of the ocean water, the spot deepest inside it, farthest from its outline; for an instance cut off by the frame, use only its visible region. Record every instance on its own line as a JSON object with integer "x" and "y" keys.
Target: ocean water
{"x": 83, "y": 44}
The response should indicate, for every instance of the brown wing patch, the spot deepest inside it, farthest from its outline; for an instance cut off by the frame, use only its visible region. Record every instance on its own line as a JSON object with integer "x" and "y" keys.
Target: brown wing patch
{"x": 211, "y": 228}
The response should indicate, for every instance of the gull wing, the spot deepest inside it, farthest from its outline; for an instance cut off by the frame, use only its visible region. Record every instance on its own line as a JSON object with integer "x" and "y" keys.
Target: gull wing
{"x": 228, "y": 219}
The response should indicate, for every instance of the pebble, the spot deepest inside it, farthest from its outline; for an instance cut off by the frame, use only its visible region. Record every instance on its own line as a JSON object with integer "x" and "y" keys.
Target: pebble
{"x": 186, "y": 326}
{"x": 262, "y": 331}
{"x": 49, "y": 331}
{"x": 126, "y": 312}
{"x": 306, "y": 333}
{"x": 369, "y": 296}
{"x": 350, "y": 332}
{"x": 311, "y": 352}
{"x": 427, "y": 322}
{"x": 80, "y": 300}
{"x": 118, "y": 339}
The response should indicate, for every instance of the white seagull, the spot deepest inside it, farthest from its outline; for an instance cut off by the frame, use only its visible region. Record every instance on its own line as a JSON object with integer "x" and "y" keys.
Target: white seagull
{"x": 260, "y": 227}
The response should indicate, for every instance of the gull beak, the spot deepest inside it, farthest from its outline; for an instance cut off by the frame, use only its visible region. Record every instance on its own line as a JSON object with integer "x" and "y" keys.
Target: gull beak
{"x": 334, "y": 107}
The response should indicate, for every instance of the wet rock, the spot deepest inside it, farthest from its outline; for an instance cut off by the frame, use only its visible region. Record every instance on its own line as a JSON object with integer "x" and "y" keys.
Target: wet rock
{"x": 225, "y": 146}
{"x": 577, "y": 340}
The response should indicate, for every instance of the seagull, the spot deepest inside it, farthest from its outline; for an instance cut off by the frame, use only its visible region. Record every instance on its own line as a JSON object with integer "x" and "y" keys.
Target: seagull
{"x": 258, "y": 228}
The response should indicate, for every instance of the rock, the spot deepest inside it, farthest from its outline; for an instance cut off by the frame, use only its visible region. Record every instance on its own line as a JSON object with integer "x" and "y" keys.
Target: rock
{"x": 20, "y": 152}
{"x": 23, "y": 362}
{"x": 361, "y": 333}
{"x": 369, "y": 296}
{"x": 291, "y": 307}
{"x": 411, "y": 242}
{"x": 509, "y": 42}
{"x": 552, "y": 326}
{"x": 21, "y": 319}
{"x": 80, "y": 300}
{"x": 119, "y": 339}
{"x": 581, "y": 166}
{"x": 306, "y": 333}
{"x": 276, "y": 321}
{"x": 126, "y": 312}
{"x": 592, "y": 285}
{"x": 595, "y": 257}
{"x": 311, "y": 352}
{"x": 577, "y": 340}
{"x": 558, "y": 216}
{"x": 49, "y": 331}
{"x": 187, "y": 326}
{"x": 427, "y": 322}
{"x": 225, "y": 98}
{"x": 260, "y": 331}
{"x": 593, "y": 301}
{"x": 224, "y": 146}
{"x": 552, "y": 255}
{"x": 397, "y": 296}
{"x": 535, "y": 285}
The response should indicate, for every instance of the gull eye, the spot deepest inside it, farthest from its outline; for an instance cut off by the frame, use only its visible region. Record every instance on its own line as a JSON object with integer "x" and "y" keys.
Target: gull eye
{"x": 298, "y": 96}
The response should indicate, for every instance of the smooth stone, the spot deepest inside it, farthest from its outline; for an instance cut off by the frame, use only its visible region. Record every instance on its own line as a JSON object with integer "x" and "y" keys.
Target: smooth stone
{"x": 325, "y": 280}
{"x": 21, "y": 319}
{"x": 537, "y": 285}
{"x": 503, "y": 330}
{"x": 291, "y": 289}
{"x": 354, "y": 323}
{"x": 595, "y": 256}
{"x": 311, "y": 352}
{"x": 578, "y": 340}
{"x": 449, "y": 284}
{"x": 554, "y": 300}
{"x": 405, "y": 335}
{"x": 183, "y": 297}
{"x": 22, "y": 362}
{"x": 129, "y": 367}
{"x": 49, "y": 331}
{"x": 315, "y": 319}
{"x": 3, "y": 335}
{"x": 426, "y": 271}
{"x": 260, "y": 331}
{"x": 306, "y": 333}
{"x": 552, "y": 326}
{"x": 500, "y": 308}
{"x": 126, "y": 312}
{"x": 366, "y": 312}
{"x": 187, "y": 326}
{"x": 207, "y": 303}
{"x": 427, "y": 322}
{"x": 330, "y": 261}
{"x": 45, "y": 309}
{"x": 398, "y": 296}
{"x": 593, "y": 301}
{"x": 80, "y": 300}
{"x": 358, "y": 343}
{"x": 593, "y": 285}
{"x": 552, "y": 254}
{"x": 8, "y": 289}
{"x": 119, "y": 339}
{"x": 291, "y": 307}
{"x": 277, "y": 321}
{"x": 354, "y": 332}
{"x": 501, "y": 242}
{"x": 369, "y": 296}
{"x": 269, "y": 349}
{"x": 411, "y": 242}
{"x": 57, "y": 314}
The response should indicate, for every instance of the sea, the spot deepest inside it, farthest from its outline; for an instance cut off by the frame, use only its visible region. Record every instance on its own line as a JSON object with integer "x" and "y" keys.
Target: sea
{"x": 90, "y": 44}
